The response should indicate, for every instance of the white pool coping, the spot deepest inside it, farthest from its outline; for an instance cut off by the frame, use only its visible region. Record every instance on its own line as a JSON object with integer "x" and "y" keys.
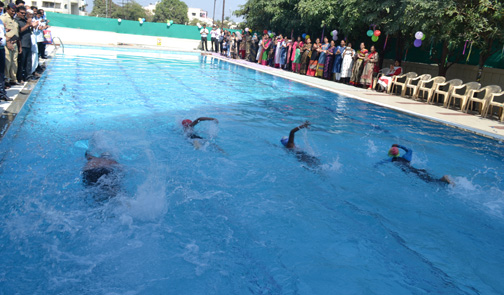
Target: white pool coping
{"x": 472, "y": 123}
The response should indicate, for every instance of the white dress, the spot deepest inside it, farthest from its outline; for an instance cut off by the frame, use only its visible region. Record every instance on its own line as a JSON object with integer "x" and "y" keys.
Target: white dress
{"x": 346, "y": 66}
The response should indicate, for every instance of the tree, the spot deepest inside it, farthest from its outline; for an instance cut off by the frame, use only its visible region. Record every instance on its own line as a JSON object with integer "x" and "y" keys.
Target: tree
{"x": 103, "y": 9}
{"x": 484, "y": 21}
{"x": 175, "y": 10}
{"x": 130, "y": 11}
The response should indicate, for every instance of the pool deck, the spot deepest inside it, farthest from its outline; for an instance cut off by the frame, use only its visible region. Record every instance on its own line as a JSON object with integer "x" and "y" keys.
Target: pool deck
{"x": 472, "y": 123}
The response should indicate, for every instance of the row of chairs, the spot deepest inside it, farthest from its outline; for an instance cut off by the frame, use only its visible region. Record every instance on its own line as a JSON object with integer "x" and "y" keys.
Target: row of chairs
{"x": 469, "y": 97}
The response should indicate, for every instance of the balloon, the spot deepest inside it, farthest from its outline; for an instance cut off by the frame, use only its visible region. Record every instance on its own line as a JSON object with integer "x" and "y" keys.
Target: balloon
{"x": 139, "y": 19}
{"x": 246, "y": 29}
{"x": 335, "y": 32}
{"x": 198, "y": 25}
{"x": 377, "y": 33}
{"x": 304, "y": 36}
{"x": 332, "y": 33}
{"x": 119, "y": 20}
{"x": 143, "y": 19}
{"x": 417, "y": 43}
{"x": 171, "y": 22}
{"x": 307, "y": 36}
{"x": 370, "y": 33}
{"x": 269, "y": 32}
{"x": 374, "y": 38}
{"x": 265, "y": 32}
{"x": 423, "y": 37}
{"x": 418, "y": 35}
{"x": 335, "y": 37}
{"x": 272, "y": 35}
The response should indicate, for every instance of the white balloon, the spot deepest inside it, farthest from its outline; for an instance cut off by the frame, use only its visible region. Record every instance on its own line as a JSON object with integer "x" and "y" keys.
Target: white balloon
{"x": 246, "y": 29}
{"x": 141, "y": 21}
{"x": 119, "y": 20}
{"x": 418, "y": 35}
{"x": 198, "y": 24}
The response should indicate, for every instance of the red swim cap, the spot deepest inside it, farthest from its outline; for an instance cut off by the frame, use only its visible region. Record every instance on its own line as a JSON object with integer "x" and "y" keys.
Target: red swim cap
{"x": 186, "y": 122}
{"x": 393, "y": 152}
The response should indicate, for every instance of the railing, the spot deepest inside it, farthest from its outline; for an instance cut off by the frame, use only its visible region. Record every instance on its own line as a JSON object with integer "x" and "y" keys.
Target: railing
{"x": 61, "y": 43}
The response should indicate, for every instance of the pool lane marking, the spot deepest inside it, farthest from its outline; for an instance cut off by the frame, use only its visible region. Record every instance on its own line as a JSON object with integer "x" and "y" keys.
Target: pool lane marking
{"x": 481, "y": 132}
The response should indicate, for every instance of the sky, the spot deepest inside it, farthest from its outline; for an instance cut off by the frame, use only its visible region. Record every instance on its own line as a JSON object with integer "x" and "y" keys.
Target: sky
{"x": 231, "y": 5}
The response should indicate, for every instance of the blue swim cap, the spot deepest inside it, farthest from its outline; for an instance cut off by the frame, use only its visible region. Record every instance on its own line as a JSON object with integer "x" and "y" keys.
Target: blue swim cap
{"x": 284, "y": 140}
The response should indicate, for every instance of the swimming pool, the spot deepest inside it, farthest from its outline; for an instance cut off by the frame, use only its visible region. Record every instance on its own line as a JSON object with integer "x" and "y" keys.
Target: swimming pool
{"x": 251, "y": 219}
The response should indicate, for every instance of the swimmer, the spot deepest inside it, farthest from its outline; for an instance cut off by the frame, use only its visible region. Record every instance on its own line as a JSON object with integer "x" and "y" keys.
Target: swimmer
{"x": 98, "y": 169}
{"x": 189, "y": 131}
{"x": 302, "y": 156}
{"x": 405, "y": 164}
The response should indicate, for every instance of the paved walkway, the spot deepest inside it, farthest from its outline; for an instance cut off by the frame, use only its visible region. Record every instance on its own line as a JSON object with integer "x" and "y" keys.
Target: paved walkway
{"x": 472, "y": 123}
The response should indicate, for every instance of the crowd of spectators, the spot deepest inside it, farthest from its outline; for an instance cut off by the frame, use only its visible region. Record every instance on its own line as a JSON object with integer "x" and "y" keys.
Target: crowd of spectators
{"x": 21, "y": 44}
{"x": 328, "y": 59}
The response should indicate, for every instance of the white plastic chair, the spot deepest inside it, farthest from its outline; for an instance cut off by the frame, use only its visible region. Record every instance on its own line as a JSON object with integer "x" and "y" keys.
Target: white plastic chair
{"x": 428, "y": 87}
{"x": 414, "y": 84}
{"x": 482, "y": 99}
{"x": 462, "y": 93}
{"x": 445, "y": 89}
{"x": 401, "y": 81}
{"x": 496, "y": 100}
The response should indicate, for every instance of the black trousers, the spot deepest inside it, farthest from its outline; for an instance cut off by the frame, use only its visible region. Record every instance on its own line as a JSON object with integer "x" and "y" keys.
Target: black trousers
{"x": 216, "y": 45}
{"x": 212, "y": 41}
{"x": 41, "y": 49}
{"x": 238, "y": 48}
{"x": 24, "y": 64}
{"x": 204, "y": 44}
{"x": 2, "y": 71}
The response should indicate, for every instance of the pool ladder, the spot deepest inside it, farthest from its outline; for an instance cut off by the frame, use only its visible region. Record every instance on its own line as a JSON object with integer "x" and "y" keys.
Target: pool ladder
{"x": 61, "y": 43}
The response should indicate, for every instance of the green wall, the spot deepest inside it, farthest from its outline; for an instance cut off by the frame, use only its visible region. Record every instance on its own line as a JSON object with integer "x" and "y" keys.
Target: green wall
{"x": 124, "y": 27}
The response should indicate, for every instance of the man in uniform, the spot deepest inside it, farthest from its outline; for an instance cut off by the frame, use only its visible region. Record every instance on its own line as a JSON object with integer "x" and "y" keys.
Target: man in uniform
{"x": 13, "y": 45}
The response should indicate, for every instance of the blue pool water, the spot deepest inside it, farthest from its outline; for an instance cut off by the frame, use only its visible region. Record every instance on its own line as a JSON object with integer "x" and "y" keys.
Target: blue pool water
{"x": 249, "y": 220}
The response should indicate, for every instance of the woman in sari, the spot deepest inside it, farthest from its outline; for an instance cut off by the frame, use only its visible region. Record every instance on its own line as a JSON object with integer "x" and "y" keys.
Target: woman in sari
{"x": 283, "y": 53}
{"x": 329, "y": 60}
{"x": 322, "y": 58}
{"x": 297, "y": 45}
{"x": 385, "y": 80}
{"x": 305, "y": 56}
{"x": 265, "y": 46}
{"x": 370, "y": 67}
{"x": 313, "y": 59}
{"x": 260, "y": 50}
{"x": 296, "y": 63}
{"x": 287, "y": 64}
{"x": 253, "y": 48}
{"x": 346, "y": 66}
{"x": 338, "y": 60}
{"x": 357, "y": 67}
{"x": 278, "y": 50}
{"x": 271, "y": 52}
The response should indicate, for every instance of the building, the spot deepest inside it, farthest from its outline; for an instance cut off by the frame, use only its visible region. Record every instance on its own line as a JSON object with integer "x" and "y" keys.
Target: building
{"x": 150, "y": 8}
{"x": 77, "y": 7}
{"x": 200, "y": 14}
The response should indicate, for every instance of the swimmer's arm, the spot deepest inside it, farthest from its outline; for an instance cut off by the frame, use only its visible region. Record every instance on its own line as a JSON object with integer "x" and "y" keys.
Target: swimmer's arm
{"x": 203, "y": 119}
{"x": 409, "y": 152}
{"x": 290, "y": 143}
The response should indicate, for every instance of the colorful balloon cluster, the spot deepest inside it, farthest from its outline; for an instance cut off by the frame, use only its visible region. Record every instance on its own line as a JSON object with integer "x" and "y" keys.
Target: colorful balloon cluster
{"x": 375, "y": 35}
{"x": 419, "y": 36}
{"x": 170, "y": 22}
{"x": 141, "y": 20}
{"x": 334, "y": 35}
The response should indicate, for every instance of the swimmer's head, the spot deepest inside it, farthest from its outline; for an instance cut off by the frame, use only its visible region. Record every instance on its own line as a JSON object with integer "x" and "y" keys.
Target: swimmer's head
{"x": 284, "y": 140}
{"x": 186, "y": 122}
{"x": 393, "y": 152}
